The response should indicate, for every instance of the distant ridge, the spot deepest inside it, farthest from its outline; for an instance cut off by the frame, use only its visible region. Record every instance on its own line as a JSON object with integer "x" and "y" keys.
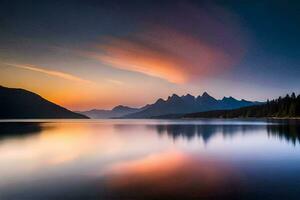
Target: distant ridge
{"x": 287, "y": 107}
{"x": 22, "y": 104}
{"x": 116, "y": 112}
{"x": 173, "y": 105}
{"x": 188, "y": 104}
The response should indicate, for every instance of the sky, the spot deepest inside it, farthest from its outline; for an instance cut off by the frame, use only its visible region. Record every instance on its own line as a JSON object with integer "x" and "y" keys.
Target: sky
{"x": 99, "y": 54}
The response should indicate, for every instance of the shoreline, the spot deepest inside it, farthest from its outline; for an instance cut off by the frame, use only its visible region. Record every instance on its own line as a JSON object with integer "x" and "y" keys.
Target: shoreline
{"x": 277, "y": 118}
{"x": 183, "y": 118}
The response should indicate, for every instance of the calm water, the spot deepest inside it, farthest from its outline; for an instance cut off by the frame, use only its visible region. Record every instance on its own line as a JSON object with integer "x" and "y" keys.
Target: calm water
{"x": 149, "y": 159}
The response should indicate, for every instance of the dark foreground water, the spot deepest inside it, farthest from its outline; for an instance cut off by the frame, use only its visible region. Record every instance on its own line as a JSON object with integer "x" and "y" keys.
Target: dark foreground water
{"x": 149, "y": 159}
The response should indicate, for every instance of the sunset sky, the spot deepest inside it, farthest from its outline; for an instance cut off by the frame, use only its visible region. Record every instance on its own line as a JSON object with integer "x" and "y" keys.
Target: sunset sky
{"x": 98, "y": 54}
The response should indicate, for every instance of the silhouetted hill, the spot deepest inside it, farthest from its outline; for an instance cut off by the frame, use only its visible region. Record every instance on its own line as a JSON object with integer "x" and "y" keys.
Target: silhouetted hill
{"x": 287, "y": 107}
{"x": 22, "y": 104}
{"x": 117, "y": 111}
{"x": 188, "y": 104}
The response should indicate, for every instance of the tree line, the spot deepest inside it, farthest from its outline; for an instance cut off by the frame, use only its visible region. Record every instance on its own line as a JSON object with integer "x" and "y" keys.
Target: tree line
{"x": 283, "y": 107}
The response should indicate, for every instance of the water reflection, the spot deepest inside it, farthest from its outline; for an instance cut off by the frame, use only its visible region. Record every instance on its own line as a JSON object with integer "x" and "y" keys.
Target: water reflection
{"x": 205, "y": 132}
{"x": 19, "y": 129}
{"x": 172, "y": 175}
{"x": 289, "y": 132}
{"x": 140, "y": 160}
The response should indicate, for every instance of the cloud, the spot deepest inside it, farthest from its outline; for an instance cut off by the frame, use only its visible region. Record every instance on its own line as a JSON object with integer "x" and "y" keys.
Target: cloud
{"x": 59, "y": 74}
{"x": 115, "y": 81}
{"x": 192, "y": 44}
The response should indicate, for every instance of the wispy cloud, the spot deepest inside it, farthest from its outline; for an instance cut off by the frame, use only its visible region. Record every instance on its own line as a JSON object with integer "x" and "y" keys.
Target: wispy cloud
{"x": 58, "y": 74}
{"x": 115, "y": 81}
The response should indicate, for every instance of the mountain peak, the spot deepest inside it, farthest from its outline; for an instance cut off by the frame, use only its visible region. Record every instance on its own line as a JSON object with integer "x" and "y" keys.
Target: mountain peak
{"x": 188, "y": 95}
{"x": 120, "y": 107}
{"x": 228, "y": 98}
{"x": 160, "y": 100}
{"x": 205, "y": 94}
{"x": 173, "y": 97}
{"x": 188, "y": 98}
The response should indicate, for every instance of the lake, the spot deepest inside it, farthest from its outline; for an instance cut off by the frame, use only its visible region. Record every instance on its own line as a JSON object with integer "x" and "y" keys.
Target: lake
{"x": 149, "y": 159}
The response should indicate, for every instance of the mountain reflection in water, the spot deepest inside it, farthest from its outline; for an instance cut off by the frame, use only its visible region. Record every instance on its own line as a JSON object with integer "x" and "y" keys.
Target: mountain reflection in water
{"x": 19, "y": 129}
{"x": 288, "y": 132}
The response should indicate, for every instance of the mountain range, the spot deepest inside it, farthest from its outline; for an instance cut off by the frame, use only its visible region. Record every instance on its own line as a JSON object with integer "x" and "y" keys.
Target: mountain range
{"x": 116, "y": 112}
{"x": 286, "y": 107}
{"x": 22, "y": 104}
{"x": 172, "y": 105}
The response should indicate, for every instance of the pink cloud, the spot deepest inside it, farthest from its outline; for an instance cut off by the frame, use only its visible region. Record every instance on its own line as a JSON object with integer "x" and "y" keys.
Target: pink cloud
{"x": 193, "y": 44}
